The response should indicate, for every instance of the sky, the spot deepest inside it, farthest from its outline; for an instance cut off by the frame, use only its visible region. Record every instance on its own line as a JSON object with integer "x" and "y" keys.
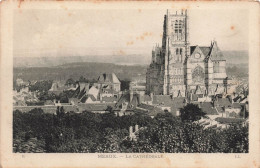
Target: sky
{"x": 50, "y": 32}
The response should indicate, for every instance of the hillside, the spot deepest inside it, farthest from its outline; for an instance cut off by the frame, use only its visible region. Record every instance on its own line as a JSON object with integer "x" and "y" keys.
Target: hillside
{"x": 75, "y": 70}
{"x": 234, "y": 57}
{"x": 126, "y": 68}
{"x": 56, "y": 61}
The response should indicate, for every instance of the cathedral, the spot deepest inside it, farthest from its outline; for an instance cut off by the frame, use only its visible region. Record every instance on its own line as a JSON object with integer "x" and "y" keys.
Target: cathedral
{"x": 179, "y": 69}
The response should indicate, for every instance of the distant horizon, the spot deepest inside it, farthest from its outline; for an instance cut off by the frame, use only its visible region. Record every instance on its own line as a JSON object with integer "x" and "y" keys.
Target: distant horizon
{"x": 235, "y": 57}
{"x": 112, "y": 54}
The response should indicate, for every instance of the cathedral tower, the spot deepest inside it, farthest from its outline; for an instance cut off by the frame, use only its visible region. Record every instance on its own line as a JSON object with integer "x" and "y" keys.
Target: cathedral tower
{"x": 175, "y": 49}
{"x": 181, "y": 70}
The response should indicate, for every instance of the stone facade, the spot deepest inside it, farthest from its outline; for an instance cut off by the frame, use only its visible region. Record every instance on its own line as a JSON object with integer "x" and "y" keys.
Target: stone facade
{"x": 179, "y": 69}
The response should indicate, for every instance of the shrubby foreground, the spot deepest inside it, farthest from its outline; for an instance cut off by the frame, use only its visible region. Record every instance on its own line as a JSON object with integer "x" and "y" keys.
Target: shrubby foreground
{"x": 88, "y": 132}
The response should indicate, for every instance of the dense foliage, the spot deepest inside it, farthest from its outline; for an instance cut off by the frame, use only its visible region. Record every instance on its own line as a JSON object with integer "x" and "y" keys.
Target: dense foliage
{"x": 41, "y": 86}
{"x": 36, "y": 131}
{"x": 171, "y": 135}
{"x": 191, "y": 112}
{"x": 72, "y": 132}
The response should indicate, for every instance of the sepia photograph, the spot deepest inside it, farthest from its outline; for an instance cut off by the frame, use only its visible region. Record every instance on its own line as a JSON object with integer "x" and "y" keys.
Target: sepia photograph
{"x": 131, "y": 82}
{"x": 102, "y": 91}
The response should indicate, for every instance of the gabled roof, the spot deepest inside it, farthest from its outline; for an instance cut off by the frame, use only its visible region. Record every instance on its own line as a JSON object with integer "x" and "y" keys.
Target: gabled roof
{"x": 84, "y": 98}
{"x": 215, "y": 53}
{"x": 83, "y": 86}
{"x": 126, "y": 98}
{"x": 204, "y": 50}
{"x": 223, "y": 102}
{"x": 108, "y": 78}
{"x": 208, "y": 108}
{"x": 92, "y": 97}
{"x": 192, "y": 48}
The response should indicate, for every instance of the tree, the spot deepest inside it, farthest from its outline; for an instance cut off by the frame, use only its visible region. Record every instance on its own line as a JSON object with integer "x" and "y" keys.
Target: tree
{"x": 191, "y": 112}
{"x": 109, "y": 109}
{"x": 70, "y": 82}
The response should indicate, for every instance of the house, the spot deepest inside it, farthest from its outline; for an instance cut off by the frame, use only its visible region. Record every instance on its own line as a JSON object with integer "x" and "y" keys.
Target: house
{"x": 170, "y": 103}
{"x": 233, "y": 111}
{"x": 109, "y": 80}
{"x": 127, "y": 103}
{"x": 91, "y": 99}
{"x": 221, "y": 102}
{"x": 208, "y": 108}
{"x": 94, "y": 91}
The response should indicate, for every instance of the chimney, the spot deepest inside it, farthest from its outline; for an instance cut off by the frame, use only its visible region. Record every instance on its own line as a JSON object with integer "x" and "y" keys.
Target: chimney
{"x": 214, "y": 102}
{"x": 141, "y": 97}
{"x": 178, "y": 113}
{"x": 151, "y": 95}
{"x": 136, "y": 127}
{"x": 131, "y": 132}
{"x": 200, "y": 104}
{"x": 131, "y": 96}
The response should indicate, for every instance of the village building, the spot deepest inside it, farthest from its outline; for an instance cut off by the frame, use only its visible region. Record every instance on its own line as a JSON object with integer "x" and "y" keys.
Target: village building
{"x": 109, "y": 81}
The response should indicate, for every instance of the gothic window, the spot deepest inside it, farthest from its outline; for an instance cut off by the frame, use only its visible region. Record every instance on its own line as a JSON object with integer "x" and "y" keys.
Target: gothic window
{"x": 177, "y": 51}
{"x": 198, "y": 74}
{"x": 180, "y": 26}
{"x": 176, "y": 26}
{"x": 181, "y": 51}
